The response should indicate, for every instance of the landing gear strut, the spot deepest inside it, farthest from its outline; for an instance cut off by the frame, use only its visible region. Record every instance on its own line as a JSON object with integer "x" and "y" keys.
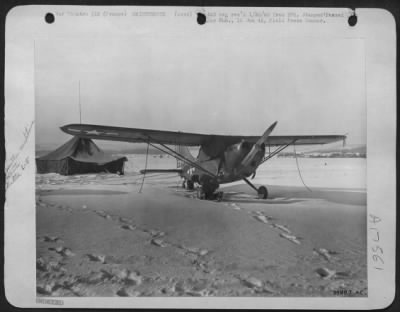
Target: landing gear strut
{"x": 261, "y": 191}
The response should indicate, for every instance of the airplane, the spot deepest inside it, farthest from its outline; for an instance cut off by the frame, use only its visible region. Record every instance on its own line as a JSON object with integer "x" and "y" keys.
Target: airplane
{"x": 221, "y": 158}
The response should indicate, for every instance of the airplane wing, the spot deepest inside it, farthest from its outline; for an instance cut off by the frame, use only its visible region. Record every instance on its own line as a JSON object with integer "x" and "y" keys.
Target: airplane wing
{"x": 99, "y": 132}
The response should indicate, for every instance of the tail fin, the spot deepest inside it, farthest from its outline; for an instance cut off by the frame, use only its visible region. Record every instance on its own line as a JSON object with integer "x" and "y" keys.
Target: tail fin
{"x": 184, "y": 151}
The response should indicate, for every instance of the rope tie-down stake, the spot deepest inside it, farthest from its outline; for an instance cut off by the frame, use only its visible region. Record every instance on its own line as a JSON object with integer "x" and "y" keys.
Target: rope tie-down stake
{"x": 298, "y": 168}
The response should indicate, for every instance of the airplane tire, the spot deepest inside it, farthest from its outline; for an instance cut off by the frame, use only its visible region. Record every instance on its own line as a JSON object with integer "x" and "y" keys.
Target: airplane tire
{"x": 190, "y": 185}
{"x": 262, "y": 192}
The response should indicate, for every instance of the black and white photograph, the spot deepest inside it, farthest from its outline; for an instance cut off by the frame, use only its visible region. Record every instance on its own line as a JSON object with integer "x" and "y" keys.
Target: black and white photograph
{"x": 221, "y": 156}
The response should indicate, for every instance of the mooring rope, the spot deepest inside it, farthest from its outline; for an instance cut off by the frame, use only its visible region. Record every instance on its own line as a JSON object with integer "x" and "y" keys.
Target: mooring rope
{"x": 298, "y": 168}
{"x": 145, "y": 168}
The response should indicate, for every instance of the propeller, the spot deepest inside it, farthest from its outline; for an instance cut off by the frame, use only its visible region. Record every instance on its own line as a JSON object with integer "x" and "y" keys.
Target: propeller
{"x": 257, "y": 146}
{"x": 264, "y": 137}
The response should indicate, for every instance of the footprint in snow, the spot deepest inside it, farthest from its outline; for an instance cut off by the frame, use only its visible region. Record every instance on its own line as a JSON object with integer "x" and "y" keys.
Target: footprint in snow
{"x": 129, "y": 277}
{"x": 128, "y": 227}
{"x": 203, "y": 266}
{"x": 50, "y": 239}
{"x": 252, "y": 282}
{"x": 267, "y": 289}
{"x": 123, "y": 292}
{"x": 156, "y": 233}
{"x": 158, "y": 242}
{"x": 63, "y": 251}
{"x": 262, "y": 218}
{"x": 125, "y": 220}
{"x": 234, "y": 206}
{"x": 291, "y": 238}
{"x": 325, "y": 273}
{"x": 97, "y": 258}
{"x": 96, "y": 277}
{"x": 195, "y": 250}
{"x": 104, "y": 215}
{"x": 203, "y": 252}
{"x": 325, "y": 253}
{"x": 281, "y": 227}
{"x": 257, "y": 285}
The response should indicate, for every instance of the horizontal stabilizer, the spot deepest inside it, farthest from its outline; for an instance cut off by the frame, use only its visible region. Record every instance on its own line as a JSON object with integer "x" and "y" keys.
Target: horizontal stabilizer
{"x": 145, "y": 171}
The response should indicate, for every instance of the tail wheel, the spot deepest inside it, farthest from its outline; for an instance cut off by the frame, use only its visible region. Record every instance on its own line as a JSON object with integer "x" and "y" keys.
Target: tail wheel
{"x": 190, "y": 185}
{"x": 262, "y": 192}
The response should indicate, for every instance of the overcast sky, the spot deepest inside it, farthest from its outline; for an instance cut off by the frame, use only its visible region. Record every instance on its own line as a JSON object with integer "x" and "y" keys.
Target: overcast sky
{"x": 205, "y": 84}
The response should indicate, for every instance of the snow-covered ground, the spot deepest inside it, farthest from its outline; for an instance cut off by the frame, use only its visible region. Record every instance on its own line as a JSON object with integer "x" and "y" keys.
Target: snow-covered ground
{"x": 109, "y": 235}
{"x": 323, "y": 172}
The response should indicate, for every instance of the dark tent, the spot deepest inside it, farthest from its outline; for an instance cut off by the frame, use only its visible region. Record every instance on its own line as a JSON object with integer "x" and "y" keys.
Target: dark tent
{"x": 79, "y": 156}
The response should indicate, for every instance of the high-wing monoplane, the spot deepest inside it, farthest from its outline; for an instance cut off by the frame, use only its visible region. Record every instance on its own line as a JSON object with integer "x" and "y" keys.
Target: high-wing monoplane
{"x": 221, "y": 158}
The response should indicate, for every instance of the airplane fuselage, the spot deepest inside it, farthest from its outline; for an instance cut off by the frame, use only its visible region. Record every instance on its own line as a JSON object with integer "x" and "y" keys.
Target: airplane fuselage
{"x": 236, "y": 162}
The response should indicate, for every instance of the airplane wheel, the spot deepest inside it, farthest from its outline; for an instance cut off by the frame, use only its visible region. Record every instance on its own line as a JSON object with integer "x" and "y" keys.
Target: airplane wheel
{"x": 190, "y": 185}
{"x": 262, "y": 192}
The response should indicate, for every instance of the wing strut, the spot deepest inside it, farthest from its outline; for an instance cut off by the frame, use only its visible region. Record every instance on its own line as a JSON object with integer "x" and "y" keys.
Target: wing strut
{"x": 175, "y": 154}
{"x": 145, "y": 167}
{"x": 278, "y": 150}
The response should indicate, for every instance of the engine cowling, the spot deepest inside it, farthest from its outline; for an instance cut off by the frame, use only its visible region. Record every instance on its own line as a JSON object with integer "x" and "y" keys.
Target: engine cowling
{"x": 251, "y": 161}
{"x": 234, "y": 155}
